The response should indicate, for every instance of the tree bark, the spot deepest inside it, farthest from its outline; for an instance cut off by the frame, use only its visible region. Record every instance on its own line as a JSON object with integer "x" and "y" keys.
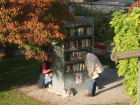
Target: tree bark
{"x": 125, "y": 55}
{"x": 138, "y": 84}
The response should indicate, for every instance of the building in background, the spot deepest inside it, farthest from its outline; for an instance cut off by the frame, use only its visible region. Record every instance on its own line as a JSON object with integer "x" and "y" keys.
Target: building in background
{"x": 118, "y": 1}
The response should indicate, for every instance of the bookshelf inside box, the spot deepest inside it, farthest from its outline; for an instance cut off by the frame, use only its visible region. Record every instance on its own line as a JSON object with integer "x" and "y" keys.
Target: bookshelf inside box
{"x": 66, "y": 59}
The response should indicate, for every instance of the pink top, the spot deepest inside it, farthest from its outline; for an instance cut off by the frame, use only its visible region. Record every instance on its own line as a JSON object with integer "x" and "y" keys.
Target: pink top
{"x": 44, "y": 71}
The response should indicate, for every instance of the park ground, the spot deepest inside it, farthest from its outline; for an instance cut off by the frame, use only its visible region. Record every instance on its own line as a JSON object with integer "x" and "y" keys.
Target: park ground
{"x": 18, "y": 79}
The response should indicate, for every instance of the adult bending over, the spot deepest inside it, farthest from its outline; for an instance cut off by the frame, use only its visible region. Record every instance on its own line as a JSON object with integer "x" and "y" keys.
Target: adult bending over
{"x": 92, "y": 63}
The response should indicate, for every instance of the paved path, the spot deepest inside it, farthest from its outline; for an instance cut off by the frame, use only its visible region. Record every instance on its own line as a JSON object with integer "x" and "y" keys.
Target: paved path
{"x": 110, "y": 89}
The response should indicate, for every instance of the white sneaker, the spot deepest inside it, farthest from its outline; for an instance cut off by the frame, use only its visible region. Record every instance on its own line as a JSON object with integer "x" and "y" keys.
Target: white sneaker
{"x": 50, "y": 85}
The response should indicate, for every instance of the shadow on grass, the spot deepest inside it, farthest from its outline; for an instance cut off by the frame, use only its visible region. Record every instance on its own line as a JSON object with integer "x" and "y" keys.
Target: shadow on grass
{"x": 116, "y": 103}
{"x": 17, "y": 71}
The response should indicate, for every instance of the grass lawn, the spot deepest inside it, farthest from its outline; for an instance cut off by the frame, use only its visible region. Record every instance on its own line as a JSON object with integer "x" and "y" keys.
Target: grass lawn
{"x": 17, "y": 71}
{"x": 112, "y": 104}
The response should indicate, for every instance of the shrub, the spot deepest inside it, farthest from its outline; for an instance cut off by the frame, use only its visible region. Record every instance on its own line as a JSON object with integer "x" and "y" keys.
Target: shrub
{"x": 102, "y": 29}
{"x": 127, "y": 38}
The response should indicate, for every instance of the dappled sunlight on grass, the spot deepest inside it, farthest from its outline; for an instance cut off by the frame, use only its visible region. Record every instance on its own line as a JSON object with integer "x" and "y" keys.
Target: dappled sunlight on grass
{"x": 15, "y": 72}
{"x": 18, "y": 71}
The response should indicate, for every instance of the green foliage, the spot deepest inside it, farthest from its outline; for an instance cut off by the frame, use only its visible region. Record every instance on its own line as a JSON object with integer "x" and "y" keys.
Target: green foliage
{"x": 116, "y": 103}
{"x": 10, "y": 50}
{"x": 103, "y": 32}
{"x": 127, "y": 38}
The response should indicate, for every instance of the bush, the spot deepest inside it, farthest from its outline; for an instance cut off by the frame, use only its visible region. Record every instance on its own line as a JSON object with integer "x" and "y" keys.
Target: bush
{"x": 127, "y": 38}
{"x": 102, "y": 29}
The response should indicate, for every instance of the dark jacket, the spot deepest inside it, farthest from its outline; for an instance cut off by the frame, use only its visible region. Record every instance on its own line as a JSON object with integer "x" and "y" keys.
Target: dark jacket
{"x": 41, "y": 76}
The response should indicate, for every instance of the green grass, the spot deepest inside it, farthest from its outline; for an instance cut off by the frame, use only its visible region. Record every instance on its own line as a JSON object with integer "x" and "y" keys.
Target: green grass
{"x": 15, "y": 72}
{"x": 113, "y": 104}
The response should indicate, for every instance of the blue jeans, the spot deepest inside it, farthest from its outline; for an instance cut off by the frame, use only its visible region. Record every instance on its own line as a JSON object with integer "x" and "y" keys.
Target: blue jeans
{"x": 92, "y": 86}
{"x": 47, "y": 79}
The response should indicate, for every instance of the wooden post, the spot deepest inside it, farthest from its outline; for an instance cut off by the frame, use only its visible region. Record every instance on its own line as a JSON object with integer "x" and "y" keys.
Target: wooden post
{"x": 125, "y": 55}
{"x": 138, "y": 84}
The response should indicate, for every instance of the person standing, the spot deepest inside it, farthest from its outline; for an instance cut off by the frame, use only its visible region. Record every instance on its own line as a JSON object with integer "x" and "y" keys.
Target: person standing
{"x": 92, "y": 63}
{"x": 45, "y": 73}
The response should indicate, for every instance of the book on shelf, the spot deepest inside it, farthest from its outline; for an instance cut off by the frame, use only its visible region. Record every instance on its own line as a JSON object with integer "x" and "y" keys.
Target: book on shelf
{"x": 77, "y": 54}
{"x": 72, "y": 32}
{"x": 80, "y": 67}
{"x": 76, "y": 43}
{"x": 80, "y": 31}
{"x": 89, "y": 42}
{"x": 89, "y": 30}
{"x": 79, "y": 43}
{"x": 76, "y": 31}
{"x": 84, "y": 67}
{"x": 68, "y": 68}
{"x": 71, "y": 56}
{"x": 66, "y": 44}
{"x": 86, "y": 42}
{"x": 75, "y": 67}
{"x": 82, "y": 43}
{"x": 72, "y": 45}
{"x": 86, "y": 30}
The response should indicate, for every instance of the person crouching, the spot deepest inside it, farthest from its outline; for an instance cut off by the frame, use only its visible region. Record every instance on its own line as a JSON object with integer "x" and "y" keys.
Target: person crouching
{"x": 45, "y": 73}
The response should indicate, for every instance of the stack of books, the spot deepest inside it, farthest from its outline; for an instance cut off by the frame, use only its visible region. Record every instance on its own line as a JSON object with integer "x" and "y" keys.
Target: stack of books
{"x": 75, "y": 68}
{"x": 69, "y": 56}
{"x": 70, "y": 44}
{"x": 87, "y": 30}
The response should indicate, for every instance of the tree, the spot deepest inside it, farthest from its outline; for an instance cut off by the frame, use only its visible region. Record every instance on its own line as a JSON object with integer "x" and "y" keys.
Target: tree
{"x": 31, "y": 24}
{"x": 135, "y": 4}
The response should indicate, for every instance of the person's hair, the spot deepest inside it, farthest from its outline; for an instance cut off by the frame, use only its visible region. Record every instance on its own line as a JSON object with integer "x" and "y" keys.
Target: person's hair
{"x": 49, "y": 55}
{"x": 82, "y": 54}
